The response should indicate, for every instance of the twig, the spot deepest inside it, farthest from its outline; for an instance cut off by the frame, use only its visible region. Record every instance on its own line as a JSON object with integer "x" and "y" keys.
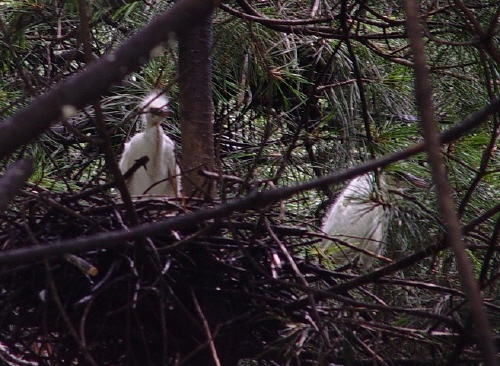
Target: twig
{"x": 64, "y": 315}
{"x": 49, "y": 202}
{"x": 206, "y": 327}
{"x": 253, "y": 201}
{"x": 53, "y": 289}
{"x": 105, "y": 147}
{"x": 82, "y": 264}
{"x": 91, "y": 191}
{"x": 315, "y": 315}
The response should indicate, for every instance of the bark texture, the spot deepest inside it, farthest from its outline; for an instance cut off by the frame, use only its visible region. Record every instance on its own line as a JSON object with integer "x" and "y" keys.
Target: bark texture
{"x": 196, "y": 110}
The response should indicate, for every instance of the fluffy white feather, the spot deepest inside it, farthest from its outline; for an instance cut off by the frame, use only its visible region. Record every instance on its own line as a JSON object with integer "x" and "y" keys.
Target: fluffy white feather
{"x": 158, "y": 147}
{"x": 357, "y": 220}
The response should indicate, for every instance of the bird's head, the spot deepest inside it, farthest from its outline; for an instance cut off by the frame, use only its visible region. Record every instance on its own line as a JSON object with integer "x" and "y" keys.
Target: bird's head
{"x": 155, "y": 108}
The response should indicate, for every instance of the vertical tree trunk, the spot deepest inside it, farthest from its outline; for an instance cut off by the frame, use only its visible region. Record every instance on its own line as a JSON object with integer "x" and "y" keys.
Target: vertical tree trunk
{"x": 197, "y": 131}
{"x": 196, "y": 111}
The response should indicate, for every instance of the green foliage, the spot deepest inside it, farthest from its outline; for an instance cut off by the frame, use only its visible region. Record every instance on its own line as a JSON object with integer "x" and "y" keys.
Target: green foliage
{"x": 288, "y": 109}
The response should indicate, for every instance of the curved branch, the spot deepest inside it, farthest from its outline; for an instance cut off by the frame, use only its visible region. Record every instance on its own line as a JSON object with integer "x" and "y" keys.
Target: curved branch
{"x": 253, "y": 201}
{"x": 69, "y": 96}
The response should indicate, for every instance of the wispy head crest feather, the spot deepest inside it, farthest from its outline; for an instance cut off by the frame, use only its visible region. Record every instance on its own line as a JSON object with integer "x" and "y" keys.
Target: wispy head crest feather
{"x": 154, "y": 108}
{"x": 155, "y": 99}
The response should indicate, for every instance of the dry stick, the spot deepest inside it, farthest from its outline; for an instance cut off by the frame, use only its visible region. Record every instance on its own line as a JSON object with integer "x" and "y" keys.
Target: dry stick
{"x": 206, "y": 327}
{"x": 195, "y": 351}
{"x": 258, "y": 18}
{"x": 53, "y": 289}
{"x": 50, "y": 202}
{"x": 312, "y": 303}
{"x": 253, "y": 201}
{"x": 105, "y": 147}
{"x": 83, "y": 348}
{"x": 346, "y": 28}
{"x": 377, "y": 359}
{"x": 142, "y": 161}
{"x": 431, "y": 287}
{"x": 378, "y": 274}
{"x": 342, "y": 243}
{"x": 487, "y": 40}
{"x": 83, "y": 321}
{"x": 489, "y": 152}
{"x": 443, "y": 190}
{"x": 15, "y": 59}
{"x": 322, "y": 294}
{"x": 163, "y": 304}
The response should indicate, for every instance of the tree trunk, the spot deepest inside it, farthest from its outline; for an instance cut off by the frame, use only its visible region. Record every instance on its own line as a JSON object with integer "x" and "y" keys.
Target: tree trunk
{"x": 197, "y": 134}
{"x": 196, "y": 111}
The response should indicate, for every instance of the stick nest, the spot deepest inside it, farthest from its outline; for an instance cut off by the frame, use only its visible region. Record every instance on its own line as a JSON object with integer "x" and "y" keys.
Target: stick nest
{"x": 244, "y": 286}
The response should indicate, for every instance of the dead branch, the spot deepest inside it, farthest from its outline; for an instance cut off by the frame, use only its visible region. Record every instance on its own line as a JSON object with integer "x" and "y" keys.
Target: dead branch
{"x": 73, "y": 94}
{"x": 254, "y": 200}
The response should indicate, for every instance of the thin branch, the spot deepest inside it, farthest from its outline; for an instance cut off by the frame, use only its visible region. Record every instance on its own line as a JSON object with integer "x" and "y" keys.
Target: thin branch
{"x": 206, "y": 327}
{"x": 254, "y": 200}
{"x": 346, "y": 28}
{"x": 66, "y": 319}
{"x": 100, "y": 125}
{"x": 312, "y": 303}
{"x": 443, "y": 189}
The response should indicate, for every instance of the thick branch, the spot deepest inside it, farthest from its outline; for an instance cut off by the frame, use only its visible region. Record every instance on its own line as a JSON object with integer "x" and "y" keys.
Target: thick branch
{"x": 253, "y": 201}
{"x": 66, "y": 98}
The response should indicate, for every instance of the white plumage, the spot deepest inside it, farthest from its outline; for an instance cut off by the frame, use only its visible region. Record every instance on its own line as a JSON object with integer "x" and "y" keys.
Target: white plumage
{"x": 158, "y": 147}
{"x": 357, "y": 219}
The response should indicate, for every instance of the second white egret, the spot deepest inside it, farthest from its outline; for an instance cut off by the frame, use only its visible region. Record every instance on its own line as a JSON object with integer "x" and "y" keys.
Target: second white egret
{"x": 357, "y": 217}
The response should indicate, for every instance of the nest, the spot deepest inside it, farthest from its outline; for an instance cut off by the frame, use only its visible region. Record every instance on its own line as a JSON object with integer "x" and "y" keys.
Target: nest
{"x": 223, "y": 290}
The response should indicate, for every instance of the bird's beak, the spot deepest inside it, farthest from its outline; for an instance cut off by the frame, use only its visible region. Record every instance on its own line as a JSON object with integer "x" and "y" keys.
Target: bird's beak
{"x": 161, "y": 112}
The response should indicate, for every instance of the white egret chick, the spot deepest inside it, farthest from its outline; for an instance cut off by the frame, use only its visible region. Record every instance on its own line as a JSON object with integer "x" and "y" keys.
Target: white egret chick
{"x": 358, "y": 218}
{"x": 161, "y": 174}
